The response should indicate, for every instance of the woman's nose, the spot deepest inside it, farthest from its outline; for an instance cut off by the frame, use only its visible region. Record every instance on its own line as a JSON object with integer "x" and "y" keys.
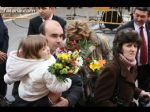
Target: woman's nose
{"x": 133, "y": 48}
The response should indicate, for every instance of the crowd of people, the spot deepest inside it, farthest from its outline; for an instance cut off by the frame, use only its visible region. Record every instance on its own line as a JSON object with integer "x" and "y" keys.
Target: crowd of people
{"x": 111, "y": 85}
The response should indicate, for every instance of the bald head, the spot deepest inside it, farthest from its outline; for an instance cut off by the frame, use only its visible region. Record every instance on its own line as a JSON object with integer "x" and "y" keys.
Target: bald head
{"x": 48, "y": 25}
{"x": 53, "y": 31}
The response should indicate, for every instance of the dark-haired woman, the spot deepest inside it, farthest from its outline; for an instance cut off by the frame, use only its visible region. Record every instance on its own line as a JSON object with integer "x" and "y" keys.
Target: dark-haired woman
{"x": 116, "y": 84}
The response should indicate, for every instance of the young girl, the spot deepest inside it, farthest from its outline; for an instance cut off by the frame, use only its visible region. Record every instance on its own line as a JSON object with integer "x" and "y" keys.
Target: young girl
{"x": 29, "y": 64}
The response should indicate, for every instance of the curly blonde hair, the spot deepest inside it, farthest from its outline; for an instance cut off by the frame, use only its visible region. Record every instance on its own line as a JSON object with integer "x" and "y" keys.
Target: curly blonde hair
{"x": 78, "y": 27}
{"x": 82, "y": 29}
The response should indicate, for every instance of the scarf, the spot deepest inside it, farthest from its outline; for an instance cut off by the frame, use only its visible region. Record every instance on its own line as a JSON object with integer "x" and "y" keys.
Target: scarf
{"x": 129, "y": 63}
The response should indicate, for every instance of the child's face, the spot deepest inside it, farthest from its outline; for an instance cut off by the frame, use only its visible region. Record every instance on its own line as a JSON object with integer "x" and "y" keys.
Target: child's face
{"x": 45, "y": 52}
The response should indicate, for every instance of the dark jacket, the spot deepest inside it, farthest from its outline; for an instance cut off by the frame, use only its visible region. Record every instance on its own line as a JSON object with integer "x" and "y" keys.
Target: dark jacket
{"x": 115, "y": 74}
{"x": 131, "y": 25}
{"x": 4, "y": 40}
{"x": 35, "y": 23}
{"x": 73, "y": 95}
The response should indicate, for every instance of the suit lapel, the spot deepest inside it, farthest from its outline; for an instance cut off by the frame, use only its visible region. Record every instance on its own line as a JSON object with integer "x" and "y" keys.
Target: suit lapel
{"x": 39, "y": 21}
{"x": 148, "y": 31}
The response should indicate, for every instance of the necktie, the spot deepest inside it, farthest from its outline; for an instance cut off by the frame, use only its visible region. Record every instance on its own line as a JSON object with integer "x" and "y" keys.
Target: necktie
{"x": 143, "y": 53}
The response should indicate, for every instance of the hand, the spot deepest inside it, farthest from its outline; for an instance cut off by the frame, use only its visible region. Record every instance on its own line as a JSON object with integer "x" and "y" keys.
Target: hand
{"x": 54, "y": 97}
{"x": 63, "y": 102}
{"x": 146, "y": 94}
{"x": 2, "y": 56}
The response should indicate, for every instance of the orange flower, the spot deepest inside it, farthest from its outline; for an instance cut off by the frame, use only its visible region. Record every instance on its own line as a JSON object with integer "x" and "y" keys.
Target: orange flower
{"x": 101, "y": 62}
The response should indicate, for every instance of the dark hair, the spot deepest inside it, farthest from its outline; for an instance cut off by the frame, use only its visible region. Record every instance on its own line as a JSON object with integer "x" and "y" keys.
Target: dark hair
{"x": 141, "y": 8}
{"x": 125, "y": 36}
{"x": 148, "y": 8}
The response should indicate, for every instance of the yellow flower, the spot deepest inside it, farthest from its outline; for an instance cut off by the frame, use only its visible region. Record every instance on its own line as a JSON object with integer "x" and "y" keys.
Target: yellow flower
{"x": 63, "y": 56}
{"x": 68, "y": 63}
{"x": 96, "y": 65}
{"x": 75, "y": 54}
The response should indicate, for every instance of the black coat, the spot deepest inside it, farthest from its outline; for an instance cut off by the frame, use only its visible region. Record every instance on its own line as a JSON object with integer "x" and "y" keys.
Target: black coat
{"x": 74, "y": 93}
{"x": 4, "y": 40}
{"x": 37, "y": 21}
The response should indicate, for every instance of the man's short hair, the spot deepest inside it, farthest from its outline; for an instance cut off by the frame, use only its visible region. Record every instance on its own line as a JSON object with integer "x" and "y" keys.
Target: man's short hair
{"x": 141, "y": 8}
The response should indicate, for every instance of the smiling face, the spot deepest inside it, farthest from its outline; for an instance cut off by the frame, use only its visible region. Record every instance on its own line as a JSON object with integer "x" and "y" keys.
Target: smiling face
{"x": 140, "y": 17}
{"x": 129, "y": 50}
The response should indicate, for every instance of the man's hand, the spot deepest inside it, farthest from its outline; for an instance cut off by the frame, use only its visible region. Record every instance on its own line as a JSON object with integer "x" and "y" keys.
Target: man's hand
{"x": 54, "y": 97}
{"x": 144, "y": 93}
{"x": 2, "y": 56}
{"x": 63, "y": 102}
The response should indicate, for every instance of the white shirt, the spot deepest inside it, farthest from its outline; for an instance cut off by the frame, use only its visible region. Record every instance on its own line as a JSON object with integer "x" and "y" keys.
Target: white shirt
{"x": 36, "y": 81}
{"x": 137, "y": 28}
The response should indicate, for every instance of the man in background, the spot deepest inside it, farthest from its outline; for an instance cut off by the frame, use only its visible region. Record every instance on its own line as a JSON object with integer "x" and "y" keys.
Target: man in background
{"x": 45, "y": 13}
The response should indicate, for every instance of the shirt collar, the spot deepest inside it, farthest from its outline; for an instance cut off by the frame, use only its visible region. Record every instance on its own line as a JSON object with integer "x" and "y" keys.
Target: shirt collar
{"x": 137, "y": 26}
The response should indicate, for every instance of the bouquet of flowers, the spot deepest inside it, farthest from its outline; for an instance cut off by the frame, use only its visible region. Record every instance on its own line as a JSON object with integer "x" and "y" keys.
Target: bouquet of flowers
{"x": 67, "y": 64}
{"x": 94, "y": 65}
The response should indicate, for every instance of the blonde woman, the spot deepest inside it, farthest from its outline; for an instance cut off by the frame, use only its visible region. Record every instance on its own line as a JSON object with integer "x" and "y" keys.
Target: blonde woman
{"x": 91, "y": 45}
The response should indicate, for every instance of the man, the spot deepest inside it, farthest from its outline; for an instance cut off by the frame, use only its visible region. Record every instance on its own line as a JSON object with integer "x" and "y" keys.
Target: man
{"x": 4, "y": 39}
{"x": 141, "y": 25}
{"x": 54, "y": 33}
{"x": 45, "y": 13}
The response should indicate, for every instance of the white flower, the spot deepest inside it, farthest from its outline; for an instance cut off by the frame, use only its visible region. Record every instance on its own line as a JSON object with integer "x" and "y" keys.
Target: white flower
{"x": 79, "y": 61}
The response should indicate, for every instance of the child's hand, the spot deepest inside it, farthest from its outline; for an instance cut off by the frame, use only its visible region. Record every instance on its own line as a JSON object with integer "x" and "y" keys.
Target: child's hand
{"x": 3, "y": 56}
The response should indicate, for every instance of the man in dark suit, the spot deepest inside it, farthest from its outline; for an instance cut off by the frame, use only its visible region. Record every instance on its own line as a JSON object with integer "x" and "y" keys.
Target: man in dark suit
{"x": 4, "y": 39}
{"x": 140, "y": 20}
{"x": 54, "y": 34}
{"x": 45, "y": 13}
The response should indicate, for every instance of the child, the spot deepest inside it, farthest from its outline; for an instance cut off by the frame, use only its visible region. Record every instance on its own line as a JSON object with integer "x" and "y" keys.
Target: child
{"x": 29, "y": 64}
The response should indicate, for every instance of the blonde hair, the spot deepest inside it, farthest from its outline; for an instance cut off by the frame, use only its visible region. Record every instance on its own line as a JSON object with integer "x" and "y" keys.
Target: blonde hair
{"x": 78, "y": 27}
{"x": 30, "y": 46}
